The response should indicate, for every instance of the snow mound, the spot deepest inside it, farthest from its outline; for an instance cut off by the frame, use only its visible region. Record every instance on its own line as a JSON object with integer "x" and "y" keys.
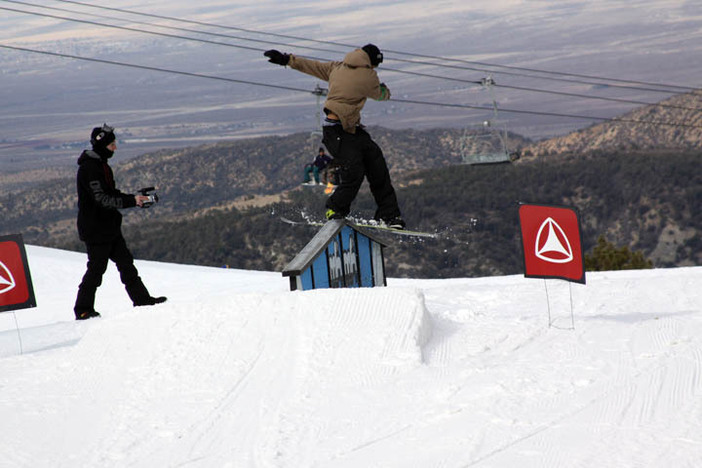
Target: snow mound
{"x": 191, "y": 375}
{"x": 235, "y": 370}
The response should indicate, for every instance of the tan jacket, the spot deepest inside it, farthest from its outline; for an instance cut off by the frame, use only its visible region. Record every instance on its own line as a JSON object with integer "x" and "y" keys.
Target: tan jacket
{"x": 351, "y": 82}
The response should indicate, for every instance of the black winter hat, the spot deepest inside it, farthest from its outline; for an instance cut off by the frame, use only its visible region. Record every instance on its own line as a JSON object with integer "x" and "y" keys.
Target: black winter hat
{"x": 376, "y": 56}
{"x": 101, "y": 137}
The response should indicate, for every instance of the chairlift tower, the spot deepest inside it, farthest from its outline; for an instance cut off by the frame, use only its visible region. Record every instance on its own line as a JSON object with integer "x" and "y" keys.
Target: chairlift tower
{"x": 316, "y": 134}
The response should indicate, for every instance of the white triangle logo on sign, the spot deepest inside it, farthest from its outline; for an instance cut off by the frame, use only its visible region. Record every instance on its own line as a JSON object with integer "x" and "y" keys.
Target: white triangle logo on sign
{"x": 552, "y": 249}
{"x": 7, "y": 281}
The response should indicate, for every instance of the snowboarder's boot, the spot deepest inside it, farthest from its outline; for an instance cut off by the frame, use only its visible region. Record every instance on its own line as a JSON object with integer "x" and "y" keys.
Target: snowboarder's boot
{"x": 85, "y": 315}
{"x": 149, "y": 301}
{"x": 395, "y": 223}
{"x": 331, "y": 214}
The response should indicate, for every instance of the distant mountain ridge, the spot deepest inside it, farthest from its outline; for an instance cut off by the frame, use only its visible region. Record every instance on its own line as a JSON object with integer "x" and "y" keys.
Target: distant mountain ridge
{"x": 223, "y": 194}
{"x": 202, "y": 177}
{"x": 686, "y": 109}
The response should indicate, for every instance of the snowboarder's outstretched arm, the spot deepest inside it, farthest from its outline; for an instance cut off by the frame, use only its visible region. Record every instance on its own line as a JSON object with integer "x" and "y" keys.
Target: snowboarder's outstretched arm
{"x": 317, "y": 69}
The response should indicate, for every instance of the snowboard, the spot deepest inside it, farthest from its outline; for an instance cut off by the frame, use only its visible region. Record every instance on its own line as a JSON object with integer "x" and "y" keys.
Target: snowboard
{"x": 366, "y": 225}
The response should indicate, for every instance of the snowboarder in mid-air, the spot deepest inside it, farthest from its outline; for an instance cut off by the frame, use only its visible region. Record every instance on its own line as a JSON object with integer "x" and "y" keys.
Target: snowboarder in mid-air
{"x": 351, "y": 82}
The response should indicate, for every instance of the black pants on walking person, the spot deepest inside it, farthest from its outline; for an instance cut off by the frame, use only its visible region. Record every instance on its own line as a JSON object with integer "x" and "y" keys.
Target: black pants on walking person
{"x": 358, "y": 156}
{"x": 98, "y": 257}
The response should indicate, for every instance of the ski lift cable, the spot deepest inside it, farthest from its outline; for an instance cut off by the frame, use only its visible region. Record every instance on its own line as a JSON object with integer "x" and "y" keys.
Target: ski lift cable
{"x": 144, "y": 23}
{"x": 193, "y": 38}
{"x": 387, "y": 69}
{"x": 584, "y": 96}
{"x": 127, "y": 28}
{"x": 602, "y": 98}
{"x": 146, "y": 67}
{"x": 548, "y": 91}
{"x": 307, "y": 91}
{"x": 550, "y": 114}
{"x": 175, "y": 36}
{"x": 680, "y": 88}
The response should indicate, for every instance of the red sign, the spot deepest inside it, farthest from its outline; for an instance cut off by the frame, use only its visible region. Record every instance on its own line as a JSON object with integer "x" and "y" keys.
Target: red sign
{"x": 16, "y": 290}
{"x": 551, "y": 243}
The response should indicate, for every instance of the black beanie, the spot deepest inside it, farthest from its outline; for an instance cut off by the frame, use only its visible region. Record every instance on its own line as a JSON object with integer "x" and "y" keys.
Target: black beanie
{"x": 101, "y": 137}
{"x": 376, "y": 56}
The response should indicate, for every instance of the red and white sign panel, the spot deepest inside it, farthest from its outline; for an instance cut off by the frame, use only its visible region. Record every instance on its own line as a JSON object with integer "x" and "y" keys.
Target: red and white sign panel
{"x": 16, "y": 291}
{"x": 551, "y": 242}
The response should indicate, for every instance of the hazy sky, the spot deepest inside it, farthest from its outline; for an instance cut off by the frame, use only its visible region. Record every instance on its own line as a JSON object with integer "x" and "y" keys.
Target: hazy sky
{"x": 51, "y": 100}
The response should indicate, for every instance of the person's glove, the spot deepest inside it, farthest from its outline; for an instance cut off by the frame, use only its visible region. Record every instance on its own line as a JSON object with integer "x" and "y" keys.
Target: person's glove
{"x": 277, "y": 57}
{"x": 384, "y": 92}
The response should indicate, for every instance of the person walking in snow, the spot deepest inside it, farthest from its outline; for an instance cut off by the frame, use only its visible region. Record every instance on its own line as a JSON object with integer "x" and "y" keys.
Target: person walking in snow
{"x": 100, "y": 225}
{"x": 351, "y": 82}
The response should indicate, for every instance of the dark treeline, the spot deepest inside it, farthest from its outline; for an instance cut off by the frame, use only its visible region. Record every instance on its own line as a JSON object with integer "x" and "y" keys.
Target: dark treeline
{"x": 632, "y": 200}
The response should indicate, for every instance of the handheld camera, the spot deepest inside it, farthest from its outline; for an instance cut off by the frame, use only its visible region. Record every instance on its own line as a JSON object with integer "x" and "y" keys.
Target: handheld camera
{"x": 153, "y": 198}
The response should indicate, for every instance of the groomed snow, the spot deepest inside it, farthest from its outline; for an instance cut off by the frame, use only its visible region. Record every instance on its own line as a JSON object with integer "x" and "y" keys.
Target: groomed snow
{"x": 235, "y": 370}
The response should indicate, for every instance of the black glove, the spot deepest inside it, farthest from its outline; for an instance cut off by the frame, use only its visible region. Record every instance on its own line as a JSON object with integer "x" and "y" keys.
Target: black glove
{"x": 276, "y": 57}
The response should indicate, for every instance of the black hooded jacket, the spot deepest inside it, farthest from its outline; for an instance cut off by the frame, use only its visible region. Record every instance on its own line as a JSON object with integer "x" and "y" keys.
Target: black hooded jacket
{"x": 99, "y": 200}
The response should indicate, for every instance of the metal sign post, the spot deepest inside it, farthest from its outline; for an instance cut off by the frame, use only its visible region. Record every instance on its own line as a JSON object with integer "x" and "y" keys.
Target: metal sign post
{"x": 551, "y": 320}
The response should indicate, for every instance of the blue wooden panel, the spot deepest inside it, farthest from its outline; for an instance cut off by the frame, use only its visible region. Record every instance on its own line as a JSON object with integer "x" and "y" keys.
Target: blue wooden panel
{"x": 365, "y": 261}
{"x": 321, "y": 272}
{"x": 336, "y": 264}
{"x": 350, "y": 257}
{"x": 306, "y": 278}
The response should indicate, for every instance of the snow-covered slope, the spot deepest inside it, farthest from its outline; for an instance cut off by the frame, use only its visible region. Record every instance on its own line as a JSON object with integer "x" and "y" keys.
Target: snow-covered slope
{"x": 234, "y": 370}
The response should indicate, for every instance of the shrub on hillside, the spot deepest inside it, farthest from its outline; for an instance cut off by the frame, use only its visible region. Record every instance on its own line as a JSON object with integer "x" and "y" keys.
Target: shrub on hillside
{"x": 607, "y": 257}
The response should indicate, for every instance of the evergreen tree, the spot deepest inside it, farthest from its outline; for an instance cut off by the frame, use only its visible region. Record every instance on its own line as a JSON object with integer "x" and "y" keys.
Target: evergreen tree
{"x": 607, "y": 257}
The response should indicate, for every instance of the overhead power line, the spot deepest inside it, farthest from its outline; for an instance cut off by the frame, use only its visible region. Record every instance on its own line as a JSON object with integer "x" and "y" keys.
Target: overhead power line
{"x": 528, "y": 89}
{"x": 173, "y": 28}
{"x": 127, "y": 28}
{"x": 554, "y": 114}
{"x": 158, "y": 69}
{"x": 670, "y": 87}
{"x": 290, "y": 88}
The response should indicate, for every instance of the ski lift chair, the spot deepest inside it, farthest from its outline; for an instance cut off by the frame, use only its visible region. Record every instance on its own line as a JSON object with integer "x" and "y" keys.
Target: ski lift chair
{"x": 487, "y": 144}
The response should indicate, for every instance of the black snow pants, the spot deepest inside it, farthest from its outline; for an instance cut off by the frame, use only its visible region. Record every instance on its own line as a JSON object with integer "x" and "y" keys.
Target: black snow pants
{"x": 98, "y": 256}
{"x": 358, "y": 156}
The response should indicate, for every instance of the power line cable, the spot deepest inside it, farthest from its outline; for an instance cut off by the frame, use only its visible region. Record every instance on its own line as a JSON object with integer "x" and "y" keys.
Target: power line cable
{"x": 174, "y": 28}
{"x": 290, "y": 88}
{"x": 126, "y": 28}
{"x": 552, "y": 114}
{"x": 620, "y": 100}
{"x": 679, "y": 88}
{"x": 602, "y": 98}
{"x": 147, "y": 67}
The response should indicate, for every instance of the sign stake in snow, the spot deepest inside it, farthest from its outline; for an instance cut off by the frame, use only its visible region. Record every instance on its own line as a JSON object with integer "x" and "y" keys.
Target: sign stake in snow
{"x": 552, "y": 246}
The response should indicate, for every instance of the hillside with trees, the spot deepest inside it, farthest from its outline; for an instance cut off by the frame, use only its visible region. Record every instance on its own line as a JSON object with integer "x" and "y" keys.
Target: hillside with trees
{"x": 199, "y": 178}
{"x": 677, "y": 126}
{"x": 648, "y": 203}
{"x": 220, "y": 203}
